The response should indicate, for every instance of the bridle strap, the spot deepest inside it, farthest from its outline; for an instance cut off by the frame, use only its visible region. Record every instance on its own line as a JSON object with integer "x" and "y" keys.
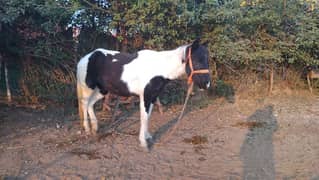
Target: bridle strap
{"x": 199, "y": 71}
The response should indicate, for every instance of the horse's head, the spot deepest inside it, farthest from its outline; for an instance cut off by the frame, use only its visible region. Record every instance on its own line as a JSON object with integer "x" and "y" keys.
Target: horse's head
{"x": 197, "y": 66}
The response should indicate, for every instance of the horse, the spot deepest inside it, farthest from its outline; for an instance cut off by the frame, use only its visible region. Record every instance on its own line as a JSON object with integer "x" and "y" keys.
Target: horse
{"x": 143, "y": 74}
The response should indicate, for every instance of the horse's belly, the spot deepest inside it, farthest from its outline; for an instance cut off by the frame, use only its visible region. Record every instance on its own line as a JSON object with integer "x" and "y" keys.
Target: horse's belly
{"x": 133, "y": 86}
{"x": 120, "y": 88}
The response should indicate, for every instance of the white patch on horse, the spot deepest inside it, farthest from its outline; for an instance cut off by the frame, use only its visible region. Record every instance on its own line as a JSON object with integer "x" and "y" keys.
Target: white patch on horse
{"x": 208, "y": 85}
{"x": 114, "y": 60}
{"x": 83, "y": 63}
{"x": 139, "y": 72}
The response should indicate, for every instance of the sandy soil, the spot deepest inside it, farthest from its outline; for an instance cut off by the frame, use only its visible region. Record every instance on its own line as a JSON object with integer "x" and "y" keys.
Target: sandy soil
{"x": 257, "y": 137}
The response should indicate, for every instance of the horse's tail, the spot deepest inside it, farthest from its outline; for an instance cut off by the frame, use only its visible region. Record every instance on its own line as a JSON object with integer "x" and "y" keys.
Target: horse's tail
{"x": 80, "y": 97}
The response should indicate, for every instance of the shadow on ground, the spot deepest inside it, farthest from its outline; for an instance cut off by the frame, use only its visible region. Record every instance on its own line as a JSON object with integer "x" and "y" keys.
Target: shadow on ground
{"x": 257, "y": 151}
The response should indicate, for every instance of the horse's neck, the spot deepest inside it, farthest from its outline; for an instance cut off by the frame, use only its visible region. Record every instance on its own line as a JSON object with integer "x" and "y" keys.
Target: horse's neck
{"x": 174, "y": 61}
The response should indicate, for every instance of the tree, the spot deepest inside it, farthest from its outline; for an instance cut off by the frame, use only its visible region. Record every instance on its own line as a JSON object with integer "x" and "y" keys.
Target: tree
{"x": 244, "y": 34}
{"x": 33, "y": 39}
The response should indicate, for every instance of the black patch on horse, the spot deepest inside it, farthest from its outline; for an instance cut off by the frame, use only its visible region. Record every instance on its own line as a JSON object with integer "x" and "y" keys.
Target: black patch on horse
{"x": 153, "y": 89}
{"x": 105, "y": 74}
{"x": 124, "y": 58}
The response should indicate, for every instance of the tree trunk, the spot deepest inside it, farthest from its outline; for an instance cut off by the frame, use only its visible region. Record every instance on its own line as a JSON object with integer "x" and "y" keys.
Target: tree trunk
{"x": 0, "y": 66}
{"x": 284, "y": 72}
{"x": 271, "y": 79}
{"x": 75, "y": 35}
{"x": 214, "y": 72}
{"x": 309, "y": 82}
{"x": 124, "y": 42}
{"x": 284, "y": 7}
{"x": 7, "y": 82}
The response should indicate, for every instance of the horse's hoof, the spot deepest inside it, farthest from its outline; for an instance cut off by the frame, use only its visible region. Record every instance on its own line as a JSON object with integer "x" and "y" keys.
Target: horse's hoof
{"x": 144, "y": 143}
{"x": 87, "y": 132}
{"x": 148, "y": 136}
{"x": 94, "y": 133}
{"x": 94, "y": 130}
{"x": 149, "y": 142}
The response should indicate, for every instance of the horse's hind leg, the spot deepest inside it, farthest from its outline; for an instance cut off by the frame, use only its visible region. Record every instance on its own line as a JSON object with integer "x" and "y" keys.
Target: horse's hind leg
{"x": 86, "y": 94}
{"x": 93, "y": 99}
{"x": 83, "y": 98}
{"x": 80, "y": 106}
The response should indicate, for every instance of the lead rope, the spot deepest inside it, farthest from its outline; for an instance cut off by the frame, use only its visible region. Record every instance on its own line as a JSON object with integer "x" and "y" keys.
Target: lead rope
{"x": 189, "y": 91}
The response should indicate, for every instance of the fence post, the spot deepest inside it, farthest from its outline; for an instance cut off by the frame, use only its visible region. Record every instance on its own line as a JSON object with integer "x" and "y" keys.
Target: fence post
{"x": 7, "y": 82}
{"x": 271, "y": 79}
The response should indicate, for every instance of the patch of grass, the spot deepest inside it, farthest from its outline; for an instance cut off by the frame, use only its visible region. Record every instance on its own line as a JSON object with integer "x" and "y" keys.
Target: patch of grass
{"x": 250, "y": 125}
{"x": 173, "y": 93}
{"x": 224, "y": 90}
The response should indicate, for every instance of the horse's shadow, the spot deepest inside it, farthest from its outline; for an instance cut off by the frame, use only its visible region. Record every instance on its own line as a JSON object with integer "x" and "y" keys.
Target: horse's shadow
{"x": 257, "y": 151}
{"x": 107, "y": 129}
{"x": 117, "y": 121}
{"x": 163, "y": 132}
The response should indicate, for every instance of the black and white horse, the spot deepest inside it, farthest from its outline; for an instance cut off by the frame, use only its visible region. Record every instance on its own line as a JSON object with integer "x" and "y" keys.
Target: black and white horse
{"x": 143, "y": 74}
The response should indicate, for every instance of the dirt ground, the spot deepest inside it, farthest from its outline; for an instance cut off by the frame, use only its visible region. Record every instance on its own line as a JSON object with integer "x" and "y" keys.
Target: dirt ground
{"x": 256, "y": 137}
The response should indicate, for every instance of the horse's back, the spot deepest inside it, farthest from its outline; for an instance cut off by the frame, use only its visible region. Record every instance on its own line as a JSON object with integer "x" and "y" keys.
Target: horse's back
{"x": 83, "y": 63}
{"x": 103, "y": 69}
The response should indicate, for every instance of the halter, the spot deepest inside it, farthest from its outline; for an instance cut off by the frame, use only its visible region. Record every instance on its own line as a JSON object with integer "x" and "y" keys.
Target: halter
{"x": 199, "y": 71}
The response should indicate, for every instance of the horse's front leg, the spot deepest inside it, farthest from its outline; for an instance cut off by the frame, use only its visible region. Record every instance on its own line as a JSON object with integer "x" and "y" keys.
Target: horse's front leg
{"x": 147, "y": 99}
{"x": 145, "y": 111}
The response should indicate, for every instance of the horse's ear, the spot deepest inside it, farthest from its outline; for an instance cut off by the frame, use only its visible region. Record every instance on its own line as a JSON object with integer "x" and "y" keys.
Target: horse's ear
{"x": 195, "y": 44}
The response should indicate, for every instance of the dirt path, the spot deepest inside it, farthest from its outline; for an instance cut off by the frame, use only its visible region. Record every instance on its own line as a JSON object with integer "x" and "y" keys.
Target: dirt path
{"x": 275, "y": 137}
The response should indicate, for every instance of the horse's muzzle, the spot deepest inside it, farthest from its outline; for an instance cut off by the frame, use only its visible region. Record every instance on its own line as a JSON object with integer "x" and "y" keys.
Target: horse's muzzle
{"x": 202, "y": 81}
{"x": 204, "y": 86}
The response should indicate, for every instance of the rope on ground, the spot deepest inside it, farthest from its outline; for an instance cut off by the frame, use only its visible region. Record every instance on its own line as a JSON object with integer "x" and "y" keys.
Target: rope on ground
{"x": 189, "y": 91}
